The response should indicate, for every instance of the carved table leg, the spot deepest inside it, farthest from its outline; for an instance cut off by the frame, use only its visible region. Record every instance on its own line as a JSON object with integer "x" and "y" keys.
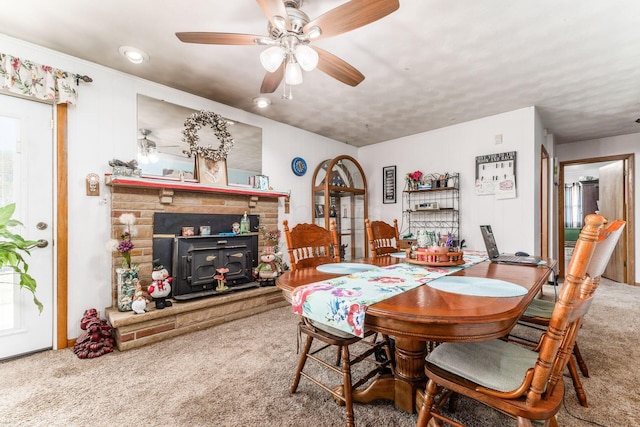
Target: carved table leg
{"x": 380, "y": 388}
{"x": 410, "y": 375}
{"x": 409, "y": 378}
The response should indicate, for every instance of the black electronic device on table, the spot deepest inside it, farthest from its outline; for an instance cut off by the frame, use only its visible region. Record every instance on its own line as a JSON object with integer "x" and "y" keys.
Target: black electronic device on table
{"x": 495, "y": 255}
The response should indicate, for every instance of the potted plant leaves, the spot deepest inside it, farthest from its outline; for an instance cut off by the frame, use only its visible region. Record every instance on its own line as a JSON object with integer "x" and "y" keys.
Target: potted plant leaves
{"x": 13, "y": 247}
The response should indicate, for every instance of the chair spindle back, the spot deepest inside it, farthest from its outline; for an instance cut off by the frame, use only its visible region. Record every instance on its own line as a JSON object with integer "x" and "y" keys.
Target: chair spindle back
{"x": 383, "y": 238}
{"x": 310, "y": 245}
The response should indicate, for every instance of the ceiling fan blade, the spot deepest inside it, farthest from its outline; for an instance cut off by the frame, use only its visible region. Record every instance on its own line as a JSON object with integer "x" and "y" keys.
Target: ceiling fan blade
{"x": 271, "y": 81}
{"x": 273, "y": 8}
{"x": 351, "y": 15}
{"x": 337, "y": 68}
{"x": 218, "y": 38}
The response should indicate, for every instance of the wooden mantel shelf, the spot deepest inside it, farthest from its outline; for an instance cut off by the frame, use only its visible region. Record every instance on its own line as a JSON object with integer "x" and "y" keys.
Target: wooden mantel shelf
{"x": 166, "y": 184}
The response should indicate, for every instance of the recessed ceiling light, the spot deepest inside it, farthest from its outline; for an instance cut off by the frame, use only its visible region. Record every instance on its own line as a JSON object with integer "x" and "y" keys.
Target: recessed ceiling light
{"x": 262, "y": 102}
{"x": 133, "y": 54}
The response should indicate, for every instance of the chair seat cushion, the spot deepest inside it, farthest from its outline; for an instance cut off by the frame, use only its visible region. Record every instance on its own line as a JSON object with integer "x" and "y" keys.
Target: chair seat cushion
{"x": 330, "y": 330}
{"x": 540, "y": 308}
{"x": 494, "y": 364}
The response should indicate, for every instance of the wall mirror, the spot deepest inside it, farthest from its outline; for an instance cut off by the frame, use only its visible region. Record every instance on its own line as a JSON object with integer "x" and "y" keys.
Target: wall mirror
{"x": 160, "y": 146}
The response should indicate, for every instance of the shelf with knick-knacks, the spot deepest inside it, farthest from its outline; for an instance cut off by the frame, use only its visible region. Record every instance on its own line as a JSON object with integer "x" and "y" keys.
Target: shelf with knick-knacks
{"x": 433, "y": 206}
{"x": 166, "y": 186}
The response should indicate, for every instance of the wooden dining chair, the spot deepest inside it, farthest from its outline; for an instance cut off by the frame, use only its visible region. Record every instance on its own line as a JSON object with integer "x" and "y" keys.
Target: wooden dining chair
{"x": 539, "y": 312}
{"x": 310, "y": 246}
{"x": 519, "y": 381}
{"x": 383, "y": 238}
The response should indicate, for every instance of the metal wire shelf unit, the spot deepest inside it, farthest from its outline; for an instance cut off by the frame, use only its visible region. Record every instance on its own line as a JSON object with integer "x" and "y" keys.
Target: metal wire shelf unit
{"x": 433, "y": 209}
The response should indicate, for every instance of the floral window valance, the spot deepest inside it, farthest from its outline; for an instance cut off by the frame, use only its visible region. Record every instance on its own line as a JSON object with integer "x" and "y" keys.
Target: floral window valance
{"x": 39, "y": 81}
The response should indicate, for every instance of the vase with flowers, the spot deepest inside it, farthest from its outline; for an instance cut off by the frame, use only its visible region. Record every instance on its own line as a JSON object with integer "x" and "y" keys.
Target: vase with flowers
{"x": 127, "y": 275}
{"x": 271, "y": 237}
{"x": 413, "y": 179}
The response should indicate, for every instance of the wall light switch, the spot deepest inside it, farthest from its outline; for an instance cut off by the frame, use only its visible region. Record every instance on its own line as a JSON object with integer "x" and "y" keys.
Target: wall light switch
{"x": 499, "y": 139}
{"x": 93, "y": 185}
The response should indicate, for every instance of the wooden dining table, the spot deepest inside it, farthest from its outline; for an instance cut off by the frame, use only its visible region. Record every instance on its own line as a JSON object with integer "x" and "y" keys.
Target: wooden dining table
{"x": 424, "y": 314}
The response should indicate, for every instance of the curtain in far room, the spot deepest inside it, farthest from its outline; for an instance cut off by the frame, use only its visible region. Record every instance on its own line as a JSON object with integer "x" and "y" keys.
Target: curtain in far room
{"x": 572, "y": 205}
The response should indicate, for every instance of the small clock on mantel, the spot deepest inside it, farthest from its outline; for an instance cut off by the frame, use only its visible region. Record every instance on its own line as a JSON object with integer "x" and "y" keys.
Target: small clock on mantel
{"x": 299, "y": 166}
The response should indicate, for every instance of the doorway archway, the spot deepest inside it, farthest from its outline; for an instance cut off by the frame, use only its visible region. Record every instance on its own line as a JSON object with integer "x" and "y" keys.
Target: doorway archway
{"x": 624, "y": 211}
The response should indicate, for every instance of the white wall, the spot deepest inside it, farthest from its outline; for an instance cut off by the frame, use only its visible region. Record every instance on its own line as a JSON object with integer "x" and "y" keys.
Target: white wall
{"x": 454, "y": 149}
{"x": 102, "y": 126}
{"x": 615, "y": 145}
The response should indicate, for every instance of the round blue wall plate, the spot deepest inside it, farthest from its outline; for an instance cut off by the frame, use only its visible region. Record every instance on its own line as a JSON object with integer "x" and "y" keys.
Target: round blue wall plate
{"x": 299, "y": 166}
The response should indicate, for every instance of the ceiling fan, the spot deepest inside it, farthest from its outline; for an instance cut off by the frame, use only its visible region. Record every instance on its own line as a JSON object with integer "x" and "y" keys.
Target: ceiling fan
{"x": 290, "y": 34}
{"x": 147, "y": 149}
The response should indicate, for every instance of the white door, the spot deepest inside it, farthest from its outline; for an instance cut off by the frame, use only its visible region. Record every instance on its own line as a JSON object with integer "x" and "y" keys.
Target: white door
{"x": 27, "y": 179}
{"x": 612, "y": 206}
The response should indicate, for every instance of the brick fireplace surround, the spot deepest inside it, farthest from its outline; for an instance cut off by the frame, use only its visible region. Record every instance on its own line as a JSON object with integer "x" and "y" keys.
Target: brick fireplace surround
{"x": 144, "y": 197}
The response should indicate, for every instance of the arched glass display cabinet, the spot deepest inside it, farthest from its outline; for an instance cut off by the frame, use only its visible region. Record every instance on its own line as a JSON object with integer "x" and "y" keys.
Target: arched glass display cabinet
{"x": 340, "y": 193}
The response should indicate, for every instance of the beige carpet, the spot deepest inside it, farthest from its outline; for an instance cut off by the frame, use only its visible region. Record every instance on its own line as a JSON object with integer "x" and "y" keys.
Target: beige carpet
{"x": 238, "y": 374}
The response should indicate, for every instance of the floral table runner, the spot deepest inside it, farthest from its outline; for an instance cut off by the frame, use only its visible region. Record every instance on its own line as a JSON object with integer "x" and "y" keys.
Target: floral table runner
{"x": 341, "y": 302}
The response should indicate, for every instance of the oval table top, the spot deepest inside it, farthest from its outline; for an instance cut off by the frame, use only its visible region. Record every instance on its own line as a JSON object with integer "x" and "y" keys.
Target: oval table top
{"x": 429, "y": 314}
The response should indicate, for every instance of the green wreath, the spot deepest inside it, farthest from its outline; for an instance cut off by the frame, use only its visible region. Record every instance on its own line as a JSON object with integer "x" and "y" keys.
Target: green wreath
{"x": 194, "y": 123}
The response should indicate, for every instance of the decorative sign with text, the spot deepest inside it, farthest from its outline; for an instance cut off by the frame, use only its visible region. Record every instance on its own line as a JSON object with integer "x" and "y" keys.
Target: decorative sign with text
{"x": 389, "y": 184}
{"x": 496, "y": 174}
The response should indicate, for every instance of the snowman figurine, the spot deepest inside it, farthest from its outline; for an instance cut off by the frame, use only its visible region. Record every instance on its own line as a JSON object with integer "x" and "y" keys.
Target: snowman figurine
{"x": 269, "y": 267}
{"x": 160, "y": 287}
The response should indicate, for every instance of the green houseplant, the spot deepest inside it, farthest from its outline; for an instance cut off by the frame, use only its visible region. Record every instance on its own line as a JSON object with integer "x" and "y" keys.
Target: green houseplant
{"x": 12, "y": 250}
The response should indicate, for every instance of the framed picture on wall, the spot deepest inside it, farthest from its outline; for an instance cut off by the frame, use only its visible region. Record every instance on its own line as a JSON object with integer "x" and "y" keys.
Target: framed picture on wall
{"x": 319, "y": 210}
{"x": 389, "y": 184}
{"x": 211, "y": 171}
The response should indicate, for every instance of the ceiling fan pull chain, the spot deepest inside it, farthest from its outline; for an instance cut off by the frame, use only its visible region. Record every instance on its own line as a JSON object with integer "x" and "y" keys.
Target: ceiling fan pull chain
{"x": 286, "y": 92}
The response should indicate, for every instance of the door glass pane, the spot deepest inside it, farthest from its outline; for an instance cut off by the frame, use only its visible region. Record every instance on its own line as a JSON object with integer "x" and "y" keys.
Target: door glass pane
{"x": 9, "y": 131}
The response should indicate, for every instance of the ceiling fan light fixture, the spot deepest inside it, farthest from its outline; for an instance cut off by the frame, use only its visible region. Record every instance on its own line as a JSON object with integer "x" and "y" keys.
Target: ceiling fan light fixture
{"x": 271, "y": 58}
{"x": 306, "y": 57}
{"x": 293, "y": 73}
{"x": 147, "y": 149}
{"x": 262, "y": 102}
{"x": 133, "y": 54}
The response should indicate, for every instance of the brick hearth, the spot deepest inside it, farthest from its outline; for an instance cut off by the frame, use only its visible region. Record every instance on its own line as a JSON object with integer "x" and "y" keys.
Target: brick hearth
{"x": 143, "y": 198}
{"x": 135, "y": 330}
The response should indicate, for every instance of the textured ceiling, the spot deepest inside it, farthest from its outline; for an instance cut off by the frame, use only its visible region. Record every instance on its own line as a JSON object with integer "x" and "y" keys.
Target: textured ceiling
{"x": 430, "y": 64}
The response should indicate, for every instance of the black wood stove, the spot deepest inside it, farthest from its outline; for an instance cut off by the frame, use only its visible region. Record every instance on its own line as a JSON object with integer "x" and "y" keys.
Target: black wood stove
{"x": 193, "y": 260}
